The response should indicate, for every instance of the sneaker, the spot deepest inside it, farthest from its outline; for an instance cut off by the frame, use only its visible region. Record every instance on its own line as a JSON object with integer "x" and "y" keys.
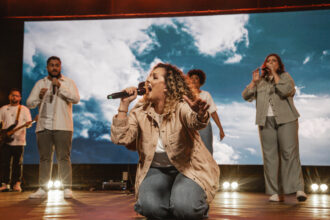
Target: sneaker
{"x": 4, "y": 187}
{"x": 68, "y": 194}
{"x": 39, "y": 194}
{"x": 17, "y": 187}
{"x": 276, "y": 198}
{"x": 301, "y": 196}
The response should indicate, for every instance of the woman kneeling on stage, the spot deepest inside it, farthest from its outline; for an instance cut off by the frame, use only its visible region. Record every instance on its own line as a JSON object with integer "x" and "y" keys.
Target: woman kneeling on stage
{"x": 176, "y": 175}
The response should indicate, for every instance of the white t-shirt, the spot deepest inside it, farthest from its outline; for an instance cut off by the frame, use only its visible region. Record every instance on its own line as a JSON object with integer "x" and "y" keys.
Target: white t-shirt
{"x": 47, "y": 113}
{"x": 270, "y": 111}
{"x": 160, "y": 157}
{"x": 208, "y": 98}
{"x": 8, "y": 116}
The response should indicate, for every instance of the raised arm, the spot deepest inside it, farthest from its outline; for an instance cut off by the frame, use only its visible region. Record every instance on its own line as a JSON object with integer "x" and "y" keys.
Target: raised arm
{"x": 36, "y": 95}
{"x": 124, "y": 129}
{"x": 285, "y": 86}
{"x": 69, "y": 91}
{"x": 250, "y": 91}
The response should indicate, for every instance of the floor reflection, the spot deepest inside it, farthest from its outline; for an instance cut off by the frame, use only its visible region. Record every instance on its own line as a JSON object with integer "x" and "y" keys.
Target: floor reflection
{"x": 55, "y": 204}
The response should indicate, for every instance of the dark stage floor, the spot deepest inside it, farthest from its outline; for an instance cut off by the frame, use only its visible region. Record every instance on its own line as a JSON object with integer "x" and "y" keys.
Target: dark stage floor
{"x": 119, "y": 205}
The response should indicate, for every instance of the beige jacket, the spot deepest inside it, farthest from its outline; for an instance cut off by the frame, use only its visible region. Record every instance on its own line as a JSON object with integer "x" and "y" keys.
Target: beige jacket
{"x": 279, "y": 96}
{"x": 65, "y": 96}
{"x": 181, "y": 140}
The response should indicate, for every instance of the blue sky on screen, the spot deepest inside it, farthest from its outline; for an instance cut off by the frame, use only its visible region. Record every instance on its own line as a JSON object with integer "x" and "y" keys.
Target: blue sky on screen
{"x": 104, "y": 56}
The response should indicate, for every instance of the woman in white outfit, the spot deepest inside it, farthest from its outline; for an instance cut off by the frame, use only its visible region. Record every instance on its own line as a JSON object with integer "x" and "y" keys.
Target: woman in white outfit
{"x": 197, "y": 78}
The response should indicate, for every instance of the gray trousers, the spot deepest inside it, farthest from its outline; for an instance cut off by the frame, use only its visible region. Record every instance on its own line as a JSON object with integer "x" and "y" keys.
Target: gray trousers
{"x": 280, "y": 149}
{"x": 207, "y": 137}
{"x": 166, "y": 193}
{"x": 60, "y": 141}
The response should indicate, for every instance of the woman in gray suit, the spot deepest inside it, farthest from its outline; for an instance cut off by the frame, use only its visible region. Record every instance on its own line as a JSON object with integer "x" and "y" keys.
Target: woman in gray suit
{"x": 277, "y": 119}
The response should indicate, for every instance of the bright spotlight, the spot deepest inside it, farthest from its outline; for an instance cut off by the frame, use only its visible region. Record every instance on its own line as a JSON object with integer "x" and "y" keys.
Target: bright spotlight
{"x": 50, "y": 184}
{"x": 323, "y": 187}
{"x": 234, "y": 185}
{"x": 57, "y": 184}
{"x": 314, "y": 187}
{"x": 226, "y": 185}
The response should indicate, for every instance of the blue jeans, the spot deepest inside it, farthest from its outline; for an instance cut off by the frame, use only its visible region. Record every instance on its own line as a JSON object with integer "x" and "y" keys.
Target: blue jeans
{"x": 166, "y": 193}
{"x": 207, "y": 137}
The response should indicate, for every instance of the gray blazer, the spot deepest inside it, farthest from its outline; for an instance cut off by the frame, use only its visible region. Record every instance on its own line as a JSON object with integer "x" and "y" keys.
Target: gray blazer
{"x": 279, "y": 96}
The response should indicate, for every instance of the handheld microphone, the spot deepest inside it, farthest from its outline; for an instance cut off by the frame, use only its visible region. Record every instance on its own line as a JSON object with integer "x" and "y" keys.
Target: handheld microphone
{"x": 266, "y": 69}
{"x": 54, "y": 86}
{"x": 54, "y": 89}
{"x": 117, "y": 95}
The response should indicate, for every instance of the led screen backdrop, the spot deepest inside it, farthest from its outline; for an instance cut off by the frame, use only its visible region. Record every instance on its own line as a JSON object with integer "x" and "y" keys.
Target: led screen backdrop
{"x": 105, "y": 56}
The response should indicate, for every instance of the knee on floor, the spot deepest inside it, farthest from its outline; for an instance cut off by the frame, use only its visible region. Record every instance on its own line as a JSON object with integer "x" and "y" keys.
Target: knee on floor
{"x": 153, "y": 210}
{"x": 186, "y": 210}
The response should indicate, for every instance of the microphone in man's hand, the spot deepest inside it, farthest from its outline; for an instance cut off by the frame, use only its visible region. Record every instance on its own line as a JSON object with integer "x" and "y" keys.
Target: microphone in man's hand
{"x": 54, "y": 86}
{"x": 52, "y": 76}
{"x": 141, "y": 90}
{"x": 54, "y": 89}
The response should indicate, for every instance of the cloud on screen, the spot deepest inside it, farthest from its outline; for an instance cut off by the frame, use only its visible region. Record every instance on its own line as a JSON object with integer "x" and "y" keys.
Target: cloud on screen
{"x": 101, "y": 60}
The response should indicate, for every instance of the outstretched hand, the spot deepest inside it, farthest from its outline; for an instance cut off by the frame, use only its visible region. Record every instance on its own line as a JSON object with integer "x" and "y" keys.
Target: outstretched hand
{"x": 199, "y": 106}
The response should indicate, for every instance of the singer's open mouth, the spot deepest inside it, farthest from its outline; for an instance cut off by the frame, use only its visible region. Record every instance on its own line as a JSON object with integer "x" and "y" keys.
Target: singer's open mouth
{"x": 149, "y": 87}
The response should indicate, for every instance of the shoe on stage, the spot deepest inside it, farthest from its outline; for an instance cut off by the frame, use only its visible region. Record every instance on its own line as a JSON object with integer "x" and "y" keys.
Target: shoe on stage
{"x": 68, "y": 194}
{"x": 276, "y": 198}
{"x": 4, "y": 187}
{"x": 301, "y": 196}
{"x": 39, "y": 194}
{"x": 17, "y": 187}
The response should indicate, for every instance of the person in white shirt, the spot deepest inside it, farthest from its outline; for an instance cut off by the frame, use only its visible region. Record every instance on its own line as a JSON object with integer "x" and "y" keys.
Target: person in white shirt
{"x": 197, "y": 78}
{"x": 13, "y": 115}
{"x": 54, "y": 96}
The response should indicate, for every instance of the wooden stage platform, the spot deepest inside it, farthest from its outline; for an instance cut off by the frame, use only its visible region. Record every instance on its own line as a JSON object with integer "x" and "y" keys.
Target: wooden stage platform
{"x": 118, "y": 205}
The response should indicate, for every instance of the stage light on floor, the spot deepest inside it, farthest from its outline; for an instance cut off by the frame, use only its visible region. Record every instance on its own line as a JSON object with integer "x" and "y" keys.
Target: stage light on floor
{"x": 57, "y": 184}
{"x": 50, "y": 184}
{"x": 234, "y": 185}
{"x": 323, "y": 187}
{"x": 226, "y": 185}
{"x": 314, "y": 187}
{"x": 229, "y": 186}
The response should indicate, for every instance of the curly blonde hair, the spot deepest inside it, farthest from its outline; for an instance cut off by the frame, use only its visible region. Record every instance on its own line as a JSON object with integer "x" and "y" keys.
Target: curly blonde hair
{"x": 177, "y": 85}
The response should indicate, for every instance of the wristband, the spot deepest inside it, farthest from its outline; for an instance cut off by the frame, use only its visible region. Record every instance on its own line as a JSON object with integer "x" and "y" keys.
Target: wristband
{"x": 119, "y": 110}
